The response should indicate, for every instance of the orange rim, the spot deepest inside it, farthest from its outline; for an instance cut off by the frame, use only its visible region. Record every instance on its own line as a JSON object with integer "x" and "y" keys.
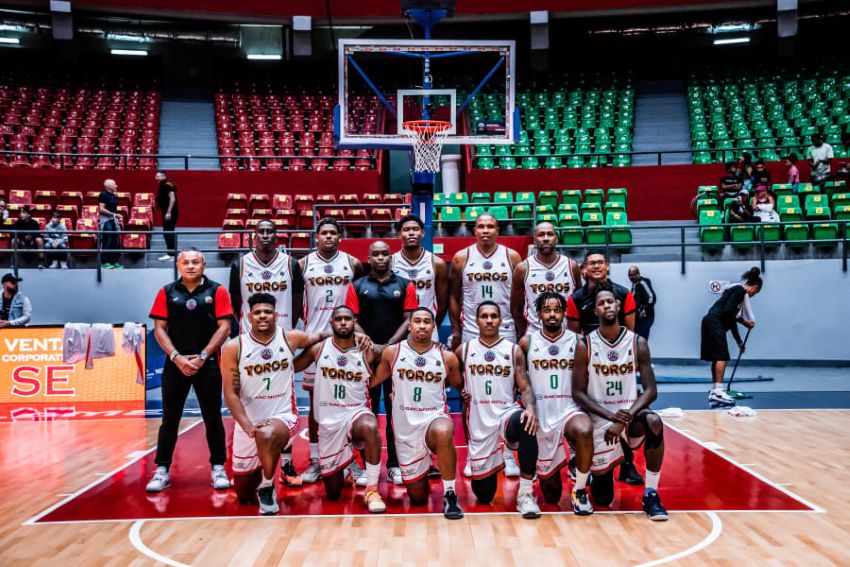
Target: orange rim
{"x": 427, "y": 126}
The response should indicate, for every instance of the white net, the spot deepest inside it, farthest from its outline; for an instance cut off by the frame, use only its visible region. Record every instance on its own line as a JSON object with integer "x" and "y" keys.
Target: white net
{"x": 427, "y": 137}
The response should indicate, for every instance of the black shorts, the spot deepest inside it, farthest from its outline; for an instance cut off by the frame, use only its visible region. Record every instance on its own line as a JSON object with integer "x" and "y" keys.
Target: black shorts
{"x": 713, "y": 345}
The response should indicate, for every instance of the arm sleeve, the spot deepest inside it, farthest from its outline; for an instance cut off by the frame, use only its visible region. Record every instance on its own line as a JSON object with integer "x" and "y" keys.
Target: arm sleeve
{"x": 351, "y": 300}
{"x": 829, "y": 154}
{"x": 733, "y": 300}
{"x": 160, "y": 307}
{"x": 572, "y": 310}
{"x": 629, "y": 304}
{"x": 735, "y": 334}
{"x": 297, "y": 276}
{"x": 223, "y": 309}
{"x": 25, "y": 316}
{"x": 411, "y": 302}
{"x": 650, "y": 293}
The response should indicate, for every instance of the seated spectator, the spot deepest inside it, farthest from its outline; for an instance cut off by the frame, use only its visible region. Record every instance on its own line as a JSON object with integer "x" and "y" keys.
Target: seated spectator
{"x": 843, "y": 169}
{"x": 793, "y": 178}
{"x": 4, "y": 210}
{"x": 764, "y": 205}
{"x": 29, "y": 240}
{"x": 761, "y": 175}
{"x": 820, "y": 157}
{"x": 739, "y": 211}
{"x": 730, "y": 184}
{"x": 15, "y": 309}
{"x": 745, "y": 170}
{"x": 56, "y": 238}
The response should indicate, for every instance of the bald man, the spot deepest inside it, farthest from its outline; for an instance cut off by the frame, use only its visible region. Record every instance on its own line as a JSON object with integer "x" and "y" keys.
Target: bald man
{"x": 109, "y": 223}
{"x": 382, "y": 302}
{"x": 644, "y": 301}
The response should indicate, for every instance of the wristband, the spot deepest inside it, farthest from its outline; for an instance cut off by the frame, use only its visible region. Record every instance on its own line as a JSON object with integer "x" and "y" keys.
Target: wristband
{"x": 174, "y": 354}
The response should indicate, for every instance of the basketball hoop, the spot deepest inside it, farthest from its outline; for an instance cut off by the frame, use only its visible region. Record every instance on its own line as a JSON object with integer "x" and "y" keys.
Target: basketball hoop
{"x": 427, "y": 137}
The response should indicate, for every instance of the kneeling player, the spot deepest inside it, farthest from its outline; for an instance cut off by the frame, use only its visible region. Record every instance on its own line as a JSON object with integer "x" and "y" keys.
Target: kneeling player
{"x": 257, "y": 369}
{"x": 420, "y": 371}
{"x": 341, "y": 407}
{"x": 492, "y": 368}
{"x": 605, "y": 385}
{"x": 550, "y": 353}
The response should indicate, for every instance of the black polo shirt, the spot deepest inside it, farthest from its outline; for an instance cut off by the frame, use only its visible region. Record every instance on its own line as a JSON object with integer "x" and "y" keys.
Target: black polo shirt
{"x": 581, "y": 306}
{"x": 380, "y": 306}
{"x": 192, "y": 317}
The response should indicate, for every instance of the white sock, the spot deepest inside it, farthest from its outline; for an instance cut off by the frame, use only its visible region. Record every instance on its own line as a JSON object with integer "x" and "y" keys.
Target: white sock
{"x": 162, "y": 469}
{"x": 285, "y": 458}
{"x": 652, "y": 479}
{"x": 581, "y": 480}
{"x": 266, "y": 481}
{"x": 526, "y": 485}
{"x": 718, "y": 387}
{"x": 448, "y": 485}
{"x": 314, "y": 451}
{"x": 373, "y": 473}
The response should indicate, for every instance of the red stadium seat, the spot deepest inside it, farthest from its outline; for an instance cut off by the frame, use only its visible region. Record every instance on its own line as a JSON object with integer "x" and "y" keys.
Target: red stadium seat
{"x": 348, "y": 199}
{"x": 91, "y": 198}
{"x": 69, "y": 212}
{"x": 241, "y": 214}
{"x": 356, "y": 220}
{"x": 262, "y": 214}
{"x": 84, "y": 241}
{"x": 232, "y": 224}
{"x": 286, "y": 217}
{"x": 74, "y": 198}
{"x": 20, "y": 197}
{"x": 140, "y": 212}
{"x": 381, "y": 219}
{"x": 303, "y": 202}
{"x": 124, "y": 199}
{"x": 281, "y": 202}
{"x": 300, "y": 241}
{"x": 90, "y": 212}
{"x": 305, "y": 220}
{"x": 143, "y": 200}
{"x": 44, "y": 197}
{"x": 237, "y": 201}
{"x": 259, "y": 201}
{"x": 229, "y": 240}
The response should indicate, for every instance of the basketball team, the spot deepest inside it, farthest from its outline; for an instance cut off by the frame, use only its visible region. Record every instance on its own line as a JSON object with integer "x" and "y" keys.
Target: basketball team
{"x": 542, "y": 352}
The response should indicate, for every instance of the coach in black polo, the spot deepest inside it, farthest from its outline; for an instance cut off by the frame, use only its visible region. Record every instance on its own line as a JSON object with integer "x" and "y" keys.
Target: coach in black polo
{"x": 382, "y": 302}
{"x": 191, "y": 322}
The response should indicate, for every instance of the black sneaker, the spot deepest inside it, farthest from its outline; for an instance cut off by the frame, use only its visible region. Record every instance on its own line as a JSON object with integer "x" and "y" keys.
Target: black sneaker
{"x": 572, "y": 466}
{"x": 268, "y": 502}
{"x": 451, "y": 509}
{"x": 290, "y": 475}
{"x": 629, "y": 474}
{"x": 652, "y": 507}
{"x": 434, "y": 472}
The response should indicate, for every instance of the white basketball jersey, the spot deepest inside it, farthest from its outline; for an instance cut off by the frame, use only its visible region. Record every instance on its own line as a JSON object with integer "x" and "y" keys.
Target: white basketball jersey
{"x": 341, "y": 385}
{"x": 266, "y": 376}
{"x": 540, "y": 278}
{"x": 423, "y": 274}
{"x": 487, "y": 278}
{"x": 488, "y": 372}
{"x": 612, "y": 371}
{"x": 419, "y": 386}
{"x": 275, "y": 278}
{"x": 325, "y": 285}
{"x": 550, "y": 370}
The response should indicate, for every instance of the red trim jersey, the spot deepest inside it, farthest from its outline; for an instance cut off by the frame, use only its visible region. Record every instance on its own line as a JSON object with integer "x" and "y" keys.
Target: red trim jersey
{"x": 267, "y": 376}
{"x": 540, "y": 278}
{"x": 274, "y": 278}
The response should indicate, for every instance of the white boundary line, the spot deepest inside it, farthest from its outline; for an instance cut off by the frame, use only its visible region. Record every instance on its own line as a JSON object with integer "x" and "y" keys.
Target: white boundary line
{"x": 100, "y": 479}
{"x": 137, "y": 542}
{"x": 716, "y": 530}
{"x": 747, "y": 469}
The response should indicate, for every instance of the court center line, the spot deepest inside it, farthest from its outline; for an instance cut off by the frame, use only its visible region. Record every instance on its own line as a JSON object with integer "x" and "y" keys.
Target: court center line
{"x": 716, "y": 530}
{"x": 136, "y": 540}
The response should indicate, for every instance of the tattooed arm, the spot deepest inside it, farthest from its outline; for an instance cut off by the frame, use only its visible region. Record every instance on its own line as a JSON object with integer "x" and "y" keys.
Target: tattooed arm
{"x": 232, "y": 385}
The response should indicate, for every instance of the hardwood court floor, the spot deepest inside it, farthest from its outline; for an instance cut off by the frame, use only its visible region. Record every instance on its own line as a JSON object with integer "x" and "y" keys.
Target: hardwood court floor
{"x": 804, "y": 451}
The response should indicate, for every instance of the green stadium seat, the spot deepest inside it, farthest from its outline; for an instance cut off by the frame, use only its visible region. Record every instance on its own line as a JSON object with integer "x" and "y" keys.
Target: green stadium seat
{"x": 522, "y": 217}
{"x": 457, "y": 199}
{"x": 569, "y": 219}
{"x": 615, "y": 206}
{"x": 840, "y": 199}
{"x": 439, "y": 199}
{"x": 526, "y": 197}
{"x": 832, "y": 187}
{"x": 594, "y": 196}
{"x": 788, "y": 202}
{"x": 567, "y": 208}
{"x": 591, "y": 208}
{"x": 480, "y": 198}
{"x": 592, "y": 218}
{"x": 551, "y": 218}
{"x": 742, "y": 235}
{"x": 450, "y": 214}
{"x": 571, "y": 197}
{"x": 842, "y": 212}
{"x": 795, "y": 233}
{"x": 472, "y": 213}
{"x": 547, "y": 198}
{"x": 545, "y": 210}
{"x": 825, "y": 231}
{"x": 815, "y": 201}
{"x": 500, "y": 212}
{"x": 772, "y": 234}
{"x": 819, "y": 213}
{"x": 707, "y": 205}
{"x": 782, "y": 189}
{"x": 620, "y": 232}
{"x": 710, "y": 232}
{"x": 790, "y": 214}
{"x": 571, "y": 236}
{"x": 485, "y": 163}
{"x": 806, "y": 188}
{"x": 618, "y": 195}
{"x": 503, "y": 197}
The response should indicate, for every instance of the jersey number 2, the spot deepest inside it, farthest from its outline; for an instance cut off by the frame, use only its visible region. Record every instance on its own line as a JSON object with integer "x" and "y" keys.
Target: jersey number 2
{"x": 329, "y": 296}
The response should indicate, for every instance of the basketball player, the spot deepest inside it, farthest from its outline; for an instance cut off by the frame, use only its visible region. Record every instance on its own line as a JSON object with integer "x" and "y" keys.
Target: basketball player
{"x": 550, "y": 353}
{"x": 492, "y": 367}
{"x": 259, "y": 377}
{"x": 545, "y": 270}
{"x": 605, "y": 385}
{"x": 429, "y": 273}
{"x": 327, "y": 273}
{"x": 483, "y": 271}
{"x": 420, "y": 371}
{"x": 266, "y": 269}
{"x": 341, "y": 407}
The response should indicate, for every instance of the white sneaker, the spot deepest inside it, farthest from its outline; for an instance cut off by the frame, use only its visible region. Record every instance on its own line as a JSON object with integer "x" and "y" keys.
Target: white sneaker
{"x": 526, "y": 505}
{"x": 63, "y": 265}
{"x": 511, "y": 466}
{"x": 720, "y": 397}
{"x": 394, "y": 475}
{"x": 467, "y": 470}
{"x": 357, "y": 473}
{"x": 53, "y": 265}
{"x": 268, "y": 501}
{"x": 160, "y": 480}
{"x": 313, "y": 472}
{"x": 219, "y": 478}
{"x": 165, "y": 258}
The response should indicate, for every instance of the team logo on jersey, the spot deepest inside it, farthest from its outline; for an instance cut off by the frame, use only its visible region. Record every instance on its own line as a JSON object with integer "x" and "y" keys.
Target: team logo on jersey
{"x": 489, "y": 356}
{"x": 266, "y": 354}
{"x": 396, "y": 293}
{"x": 341, "y": 360}
{"x": 420, "y": 361}
{"x": 550, "y": 276}
{"x": 329, "y": 269}
{"x": 487, "y": 265}
{"x": 411, "y": 274}
{"x": 613, "y": 356}
{"x": 191, "y": 304}
{"x": 554, "y": 350}
{"x": 208, "y": 299}
{"x": 266, "y": 275}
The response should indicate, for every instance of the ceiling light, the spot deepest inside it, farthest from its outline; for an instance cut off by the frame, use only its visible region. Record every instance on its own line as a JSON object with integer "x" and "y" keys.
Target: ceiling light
{"x": 10, "y": 40}
{"x": 264, "y": 57}
{"x": 731, "y": 40}
{"x": 131, "y": 52}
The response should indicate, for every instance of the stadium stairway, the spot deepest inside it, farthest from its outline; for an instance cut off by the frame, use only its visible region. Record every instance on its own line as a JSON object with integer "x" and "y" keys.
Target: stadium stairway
{"x": 661, "y": 122}
{"x": 187, "y": 126}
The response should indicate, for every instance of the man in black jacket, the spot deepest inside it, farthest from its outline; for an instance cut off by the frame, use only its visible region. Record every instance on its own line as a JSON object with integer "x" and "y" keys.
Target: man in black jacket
{"x": 644, "y": 300}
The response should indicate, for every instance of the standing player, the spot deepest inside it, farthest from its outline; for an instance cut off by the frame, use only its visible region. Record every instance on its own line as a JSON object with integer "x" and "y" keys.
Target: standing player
{"x": 605, "y": 385}
{"x": 550, "y": 353}
{"x": 259, "y": 378}
{"x": 545, "y": 270}
{"x": 341, "y": 407}
{"x": 327, "y": 273}
{"x": 428, "y": 272}
{"x": 492, "y": 368}
{"x": 420, "y": 371}
{"x": 268, "y": 270}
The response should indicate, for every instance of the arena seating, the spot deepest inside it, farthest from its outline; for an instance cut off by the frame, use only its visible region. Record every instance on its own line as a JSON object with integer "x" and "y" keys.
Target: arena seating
{"x": 262, "y": 127}
{"x": 560, "y": 117}
{"x": 65, "y": 116}
{"x": 734, "y": 110}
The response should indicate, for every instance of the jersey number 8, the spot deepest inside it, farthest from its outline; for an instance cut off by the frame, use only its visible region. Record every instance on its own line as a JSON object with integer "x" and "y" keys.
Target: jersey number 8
{"x": 417, "y": 394}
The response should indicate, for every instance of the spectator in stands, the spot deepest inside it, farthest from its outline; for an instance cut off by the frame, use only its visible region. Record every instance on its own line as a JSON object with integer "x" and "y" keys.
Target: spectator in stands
{"x": 4, "y": 210}
{"x": 730, "y": 184}
{"x": 745, "y": 170}
{"x": 820, "y": 157}
{"x": 793, "y": 178}
{"x": 16, "y": 308}
{"x": 763, "y": 205}
{"x": 166, "y": 202}
{"x": 739, "y": 210}
{"x": 110, "y": 224}
{"x": 761, "y": 175}
{"x": 644, "y": 301}
{"x": 843, "y": 169}
{"x": 29, "y": 240}
{"x": 56, "y": 238}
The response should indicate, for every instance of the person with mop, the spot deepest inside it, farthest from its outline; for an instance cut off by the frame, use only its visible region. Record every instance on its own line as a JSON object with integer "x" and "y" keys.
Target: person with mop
{"x": 732, "y": 308}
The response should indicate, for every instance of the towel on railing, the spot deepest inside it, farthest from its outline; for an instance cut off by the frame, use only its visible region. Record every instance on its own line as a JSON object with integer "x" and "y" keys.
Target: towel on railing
{"x": 75, "y": 342}
{"x": 132, "y": 339}
{"x": 101, "y": 343}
